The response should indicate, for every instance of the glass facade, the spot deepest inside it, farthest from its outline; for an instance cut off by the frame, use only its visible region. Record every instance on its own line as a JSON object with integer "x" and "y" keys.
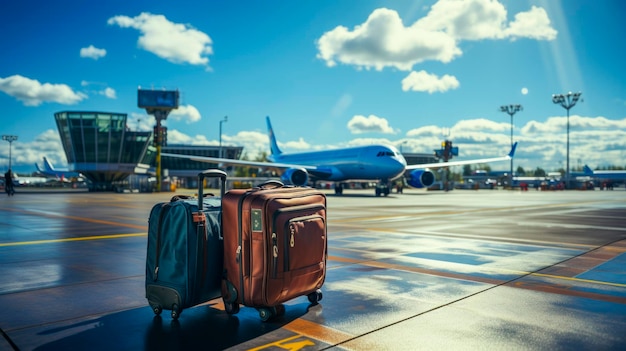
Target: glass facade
{"x": 100, "y": 146}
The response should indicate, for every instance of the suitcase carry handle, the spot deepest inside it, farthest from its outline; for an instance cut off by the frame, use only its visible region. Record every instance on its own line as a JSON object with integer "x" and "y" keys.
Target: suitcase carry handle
{"x": 210, "y": 173}
{"x": 271, "y": 184}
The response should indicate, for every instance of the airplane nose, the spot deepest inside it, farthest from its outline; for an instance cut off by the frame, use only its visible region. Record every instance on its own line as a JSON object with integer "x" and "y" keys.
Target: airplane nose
{"x": 398, "y": 166}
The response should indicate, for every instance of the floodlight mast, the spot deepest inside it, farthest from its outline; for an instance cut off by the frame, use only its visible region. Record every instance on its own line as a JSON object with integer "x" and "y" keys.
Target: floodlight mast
{"x": 511, "y": 110}
{"x": 10, "y": 139}
{"x": 222, "y": 121}
{"x": 567, "y": 101}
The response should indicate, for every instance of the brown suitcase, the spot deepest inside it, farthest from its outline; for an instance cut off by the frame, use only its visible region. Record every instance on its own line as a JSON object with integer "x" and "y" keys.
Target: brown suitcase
{"x": 275, "y": 247}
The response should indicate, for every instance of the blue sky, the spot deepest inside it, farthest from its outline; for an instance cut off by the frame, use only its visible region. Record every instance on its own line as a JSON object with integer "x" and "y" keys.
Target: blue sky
{"x": 328, "y": 73}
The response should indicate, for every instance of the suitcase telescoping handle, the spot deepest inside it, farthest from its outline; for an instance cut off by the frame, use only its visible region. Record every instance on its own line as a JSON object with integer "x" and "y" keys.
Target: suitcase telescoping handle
{"x": 210, "y": 173}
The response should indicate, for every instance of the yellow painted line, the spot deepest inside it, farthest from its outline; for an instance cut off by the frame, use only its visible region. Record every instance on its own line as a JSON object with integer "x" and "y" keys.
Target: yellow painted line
{"x": 578, "y": 279}
{"x": 84, "y": 219}
{"x": 302, "y": 327}
{"x": 317, "y": 331}
{"x": 84, "y": 238}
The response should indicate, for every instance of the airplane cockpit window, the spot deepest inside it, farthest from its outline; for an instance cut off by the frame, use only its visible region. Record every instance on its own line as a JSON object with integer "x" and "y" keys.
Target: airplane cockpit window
{"x": 385, "y": 153}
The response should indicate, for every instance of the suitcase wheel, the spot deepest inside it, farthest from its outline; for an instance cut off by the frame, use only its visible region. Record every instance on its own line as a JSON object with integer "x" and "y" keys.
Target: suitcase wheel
{"x": 279, "y": 310}
{"x": 157, "y": 309}
{"x": 231, "y": 307}
{"x": 175, "y": 311}
{"x": 229, "y": 292}
{"x": 315, "y": 296}
{"x": 267, "y": 313}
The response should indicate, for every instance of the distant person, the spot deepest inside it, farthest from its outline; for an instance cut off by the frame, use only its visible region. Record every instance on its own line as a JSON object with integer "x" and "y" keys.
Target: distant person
{"x": 8, "y": 183}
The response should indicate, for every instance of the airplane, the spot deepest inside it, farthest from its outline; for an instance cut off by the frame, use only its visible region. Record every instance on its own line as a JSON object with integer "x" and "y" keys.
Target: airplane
{"x": 62, "y": 174}
{"x": 376, "y": 162}
{"x": 621, "y": 175}
{"x": 27, "y": 180}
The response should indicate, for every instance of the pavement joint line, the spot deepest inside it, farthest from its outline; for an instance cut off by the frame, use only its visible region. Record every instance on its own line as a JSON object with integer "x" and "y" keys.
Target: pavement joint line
{"x": 83, "y": 238}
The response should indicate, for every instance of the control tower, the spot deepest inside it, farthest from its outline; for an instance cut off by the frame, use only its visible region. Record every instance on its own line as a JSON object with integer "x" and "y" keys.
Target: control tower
{"x": 101, "y": 147}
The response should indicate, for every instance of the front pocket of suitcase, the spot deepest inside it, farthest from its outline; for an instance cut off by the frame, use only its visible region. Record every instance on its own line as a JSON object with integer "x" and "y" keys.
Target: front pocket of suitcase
{"x": 305, "y": 243}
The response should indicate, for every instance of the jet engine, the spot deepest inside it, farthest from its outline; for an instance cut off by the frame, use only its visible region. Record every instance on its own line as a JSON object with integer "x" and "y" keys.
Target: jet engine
{"x": 295, "y": 176}
{"x": 421, "y": 178}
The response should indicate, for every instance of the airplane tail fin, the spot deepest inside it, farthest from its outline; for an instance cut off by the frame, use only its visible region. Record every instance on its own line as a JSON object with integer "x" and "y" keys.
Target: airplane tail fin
{"x": 587, "y": 170}
{"x": 38, "y": 168}
{"x": 47, "y": 165}
{"x": 512, "y": 152}
{"x": 273, "y": 144}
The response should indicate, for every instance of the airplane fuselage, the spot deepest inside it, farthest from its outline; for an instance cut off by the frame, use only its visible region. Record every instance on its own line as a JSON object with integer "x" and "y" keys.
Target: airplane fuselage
{"x": 372, "y": 162}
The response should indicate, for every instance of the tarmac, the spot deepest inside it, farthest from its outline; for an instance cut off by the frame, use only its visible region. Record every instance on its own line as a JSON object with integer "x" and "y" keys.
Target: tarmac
{"x": 459, "y": 270}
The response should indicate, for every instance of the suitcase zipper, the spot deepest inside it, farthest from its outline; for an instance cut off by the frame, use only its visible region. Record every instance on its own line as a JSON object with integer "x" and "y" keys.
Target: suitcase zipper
{"x": 288, "y": 239}
{"x": 238, "y": 256}
{"x": 275, "y": 254}
{"x": 155, "y": 275}
{"x": 291, "y": 239}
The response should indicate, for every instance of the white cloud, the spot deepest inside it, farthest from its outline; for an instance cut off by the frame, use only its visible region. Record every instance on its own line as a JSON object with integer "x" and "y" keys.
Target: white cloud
{"x": 480, "y": 124}
{"x": 384, "y": 41}
{"x": 46, "y": 144}
{"x": 32, "y": 93}
{"x": 141, "y": 122}
{"x": 109, "y": 93}
{"x": 425, "y": 131}
{"x": 175, "y": 42}
{"x": 300, "y": 144}
{"x": 92, "y": 52}
{"x": 424, "y": 81}
{"x": 466, "y": 19}
{"x": 187, "y": 113}
{"x": 533, "y": 24}
{"x": 254, "y": 143}
{"x": 372, "y": 124}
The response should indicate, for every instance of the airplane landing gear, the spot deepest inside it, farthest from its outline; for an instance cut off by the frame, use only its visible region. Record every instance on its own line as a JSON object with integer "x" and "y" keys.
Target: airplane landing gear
{"x": 382, "y": 188}
{"x": 338, "y": 188}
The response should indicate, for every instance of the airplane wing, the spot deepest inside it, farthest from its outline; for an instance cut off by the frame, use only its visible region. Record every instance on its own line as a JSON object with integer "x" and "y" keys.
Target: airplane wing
{"x": 229, "y": 161}
{"x": 465, "y": 162}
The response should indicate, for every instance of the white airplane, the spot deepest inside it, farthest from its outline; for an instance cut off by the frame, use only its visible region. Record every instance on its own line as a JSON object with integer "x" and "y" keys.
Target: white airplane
{"x": 27, "y": 180}
{"x": 381, "y": 163}
{"x": 62, "y": 174}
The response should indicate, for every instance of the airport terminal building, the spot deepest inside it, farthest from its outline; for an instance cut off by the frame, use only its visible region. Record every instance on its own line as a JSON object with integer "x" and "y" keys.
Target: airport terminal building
{"x": 101, "y": 146}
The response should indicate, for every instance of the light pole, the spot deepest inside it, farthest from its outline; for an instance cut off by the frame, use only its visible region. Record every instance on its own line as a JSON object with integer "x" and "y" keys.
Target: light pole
{"x": 222, "y": 121}
{"x": 511, "y": 110}
{"x": 567, "y": 101}
{"x": 10, "y": 139}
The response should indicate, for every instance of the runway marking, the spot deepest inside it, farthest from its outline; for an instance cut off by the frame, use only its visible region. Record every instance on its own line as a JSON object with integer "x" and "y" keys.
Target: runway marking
{"x": 83, "y": 219}
{"x": 84, "y": 238}
{"x": 317, "y": 331}
{"x": 620, "y": 285}
{"x": 291, "y": 344}
{"x": 493, "y": 281}
{"x": 302, "y": 327}
{"x": 462, "y": 212}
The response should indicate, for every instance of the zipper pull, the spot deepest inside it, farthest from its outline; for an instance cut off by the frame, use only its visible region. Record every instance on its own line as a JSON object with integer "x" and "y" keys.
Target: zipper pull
{"x": 292, "y": 242}
{"x": 238, "y": 257}
{"x": 275, "y": 248}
